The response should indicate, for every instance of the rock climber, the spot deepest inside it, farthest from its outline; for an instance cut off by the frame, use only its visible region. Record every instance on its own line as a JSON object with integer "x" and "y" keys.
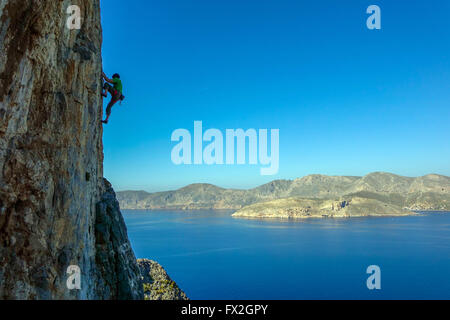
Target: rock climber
{"x": 115, "y": 90}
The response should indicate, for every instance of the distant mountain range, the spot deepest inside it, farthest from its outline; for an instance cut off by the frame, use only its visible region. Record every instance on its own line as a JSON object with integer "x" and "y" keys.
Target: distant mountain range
{"x": 430, "y": 192}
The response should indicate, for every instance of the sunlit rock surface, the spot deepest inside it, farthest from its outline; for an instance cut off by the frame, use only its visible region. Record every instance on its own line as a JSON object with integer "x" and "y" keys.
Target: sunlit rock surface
{"x": 51, "y": 176}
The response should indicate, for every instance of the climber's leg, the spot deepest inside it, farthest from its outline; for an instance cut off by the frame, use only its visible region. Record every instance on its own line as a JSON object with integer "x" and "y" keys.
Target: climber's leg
{"x": 109, "y": 107}
{"x": 108, "y": 111}
{"x": 107, "y": 88}
{"x": 115, "y": 96}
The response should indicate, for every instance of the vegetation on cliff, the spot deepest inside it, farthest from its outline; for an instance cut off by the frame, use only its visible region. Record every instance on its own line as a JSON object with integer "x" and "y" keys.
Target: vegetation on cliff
{"x": 157, "y": 284}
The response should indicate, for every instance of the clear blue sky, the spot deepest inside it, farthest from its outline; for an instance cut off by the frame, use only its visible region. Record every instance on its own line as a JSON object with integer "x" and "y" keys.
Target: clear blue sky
{"x": 347, "y": 100}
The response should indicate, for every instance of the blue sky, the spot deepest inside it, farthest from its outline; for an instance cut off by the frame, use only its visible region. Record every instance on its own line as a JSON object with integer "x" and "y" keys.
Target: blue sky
{"x": 347, "y": 100}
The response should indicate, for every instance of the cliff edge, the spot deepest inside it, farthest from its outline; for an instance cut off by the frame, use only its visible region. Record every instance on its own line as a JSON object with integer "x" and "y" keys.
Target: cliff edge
{"x": 55, "y": 208}
{"x": 157, "y": 283}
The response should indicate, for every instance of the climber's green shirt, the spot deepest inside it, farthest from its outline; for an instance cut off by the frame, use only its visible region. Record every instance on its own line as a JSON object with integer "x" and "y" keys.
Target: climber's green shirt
{"x": 117, "y": 84}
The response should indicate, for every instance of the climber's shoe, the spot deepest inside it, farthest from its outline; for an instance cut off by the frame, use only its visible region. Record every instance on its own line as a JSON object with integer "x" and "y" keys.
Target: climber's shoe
{"x": 105, "y": 121}
{"x": 104, "y": 95}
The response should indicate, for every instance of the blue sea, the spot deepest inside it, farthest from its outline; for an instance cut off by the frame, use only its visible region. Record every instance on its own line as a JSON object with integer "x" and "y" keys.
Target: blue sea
{"x": 212, "y": 255}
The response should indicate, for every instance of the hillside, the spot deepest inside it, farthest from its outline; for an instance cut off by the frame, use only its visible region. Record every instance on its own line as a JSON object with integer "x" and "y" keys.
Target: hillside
{"x": 430, "y": 192}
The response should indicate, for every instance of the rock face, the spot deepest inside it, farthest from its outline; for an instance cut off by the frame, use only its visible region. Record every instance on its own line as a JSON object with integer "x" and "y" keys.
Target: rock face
{"x": 120, "y": 277}
{"x": 430, "y": 192}
{"x": 157, "y": 283}
{"x": 51, "y": 172}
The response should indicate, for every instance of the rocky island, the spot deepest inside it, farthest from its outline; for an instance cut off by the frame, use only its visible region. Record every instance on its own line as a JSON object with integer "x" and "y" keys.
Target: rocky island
{"x": 299, "y": 208}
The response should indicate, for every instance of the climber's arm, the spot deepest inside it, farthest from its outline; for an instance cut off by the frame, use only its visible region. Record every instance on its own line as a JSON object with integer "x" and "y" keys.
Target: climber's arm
{"x": 106, "y": 78}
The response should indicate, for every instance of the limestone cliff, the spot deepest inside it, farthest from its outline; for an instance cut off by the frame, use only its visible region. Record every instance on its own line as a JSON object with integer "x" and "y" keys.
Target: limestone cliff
{"x": 51, "y": 174}
{"x": 120, "y": 277}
